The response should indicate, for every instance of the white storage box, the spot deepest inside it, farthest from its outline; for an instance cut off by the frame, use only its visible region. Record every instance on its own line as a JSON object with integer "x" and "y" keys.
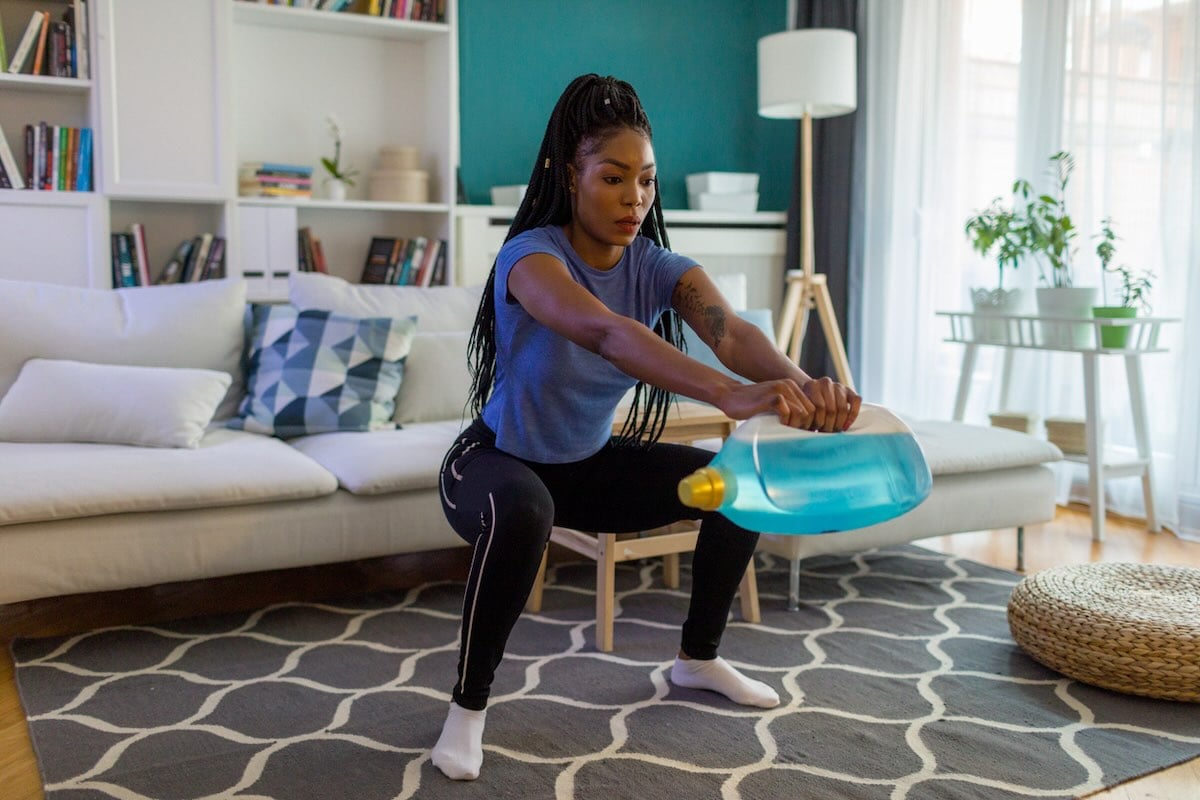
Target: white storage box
{"x": 713, "y": 201}
{"x": 722, "y": 183}
{"x": 508, "y": 195}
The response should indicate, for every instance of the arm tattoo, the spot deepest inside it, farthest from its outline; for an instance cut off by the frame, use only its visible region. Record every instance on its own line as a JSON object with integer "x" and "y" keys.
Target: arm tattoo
{"x": 714, "y": 316}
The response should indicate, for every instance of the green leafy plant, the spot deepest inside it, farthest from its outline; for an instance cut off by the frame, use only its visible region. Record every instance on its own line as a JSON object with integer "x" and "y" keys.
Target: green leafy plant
{"x": 334, "y": 165}
{"x": 1001, "y": 229}
{"x": 1135, "y": 287}
{"x": 1050, "y": 232}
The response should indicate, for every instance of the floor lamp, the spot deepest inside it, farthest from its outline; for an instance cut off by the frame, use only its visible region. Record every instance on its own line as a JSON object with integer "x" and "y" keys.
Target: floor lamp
{"x": 808, "y": 74}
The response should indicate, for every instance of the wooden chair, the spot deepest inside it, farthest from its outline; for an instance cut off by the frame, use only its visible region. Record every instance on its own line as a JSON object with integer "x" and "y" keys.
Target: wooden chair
{"x": 689, "y": 422}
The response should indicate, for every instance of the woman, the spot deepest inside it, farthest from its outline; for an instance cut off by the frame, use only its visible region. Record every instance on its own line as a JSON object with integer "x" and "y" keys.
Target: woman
{"x": 583, "y": 303}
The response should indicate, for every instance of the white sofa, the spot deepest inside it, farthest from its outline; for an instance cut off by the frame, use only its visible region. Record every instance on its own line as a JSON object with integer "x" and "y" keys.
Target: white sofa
{"x": 78, "y": 516}
{"x": 84, "y": 517}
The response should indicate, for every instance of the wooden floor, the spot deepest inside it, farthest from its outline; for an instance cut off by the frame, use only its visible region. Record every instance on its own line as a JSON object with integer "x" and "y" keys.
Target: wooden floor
{"x": 1067, "y": 540}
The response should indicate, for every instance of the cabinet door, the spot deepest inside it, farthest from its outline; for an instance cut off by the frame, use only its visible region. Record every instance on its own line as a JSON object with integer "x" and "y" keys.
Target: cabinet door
{"x": 163, "y": 97}
{"x": 55, "y": 237}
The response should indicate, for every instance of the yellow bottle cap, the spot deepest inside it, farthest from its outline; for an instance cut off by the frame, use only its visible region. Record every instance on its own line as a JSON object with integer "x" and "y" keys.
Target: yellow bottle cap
{"x": 703, "y": 489}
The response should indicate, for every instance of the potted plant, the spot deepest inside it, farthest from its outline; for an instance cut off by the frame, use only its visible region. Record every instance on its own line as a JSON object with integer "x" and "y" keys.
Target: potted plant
{"x": 1051, "y": 236}
{"x": 339, "y": 177}
{"x": 1001, "y": 230}
{"x": 1134, "y": 289}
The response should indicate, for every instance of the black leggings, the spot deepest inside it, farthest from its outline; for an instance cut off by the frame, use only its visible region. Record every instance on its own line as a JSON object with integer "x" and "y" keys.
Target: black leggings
{"x": 504, "y": 507}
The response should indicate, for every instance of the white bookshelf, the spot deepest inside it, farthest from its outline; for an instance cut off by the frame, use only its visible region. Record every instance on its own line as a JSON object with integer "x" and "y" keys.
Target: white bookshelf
{"x": 183, "y": 93}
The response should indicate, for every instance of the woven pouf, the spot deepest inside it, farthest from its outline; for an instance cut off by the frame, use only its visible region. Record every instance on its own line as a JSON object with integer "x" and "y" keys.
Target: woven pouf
{"x": 1132, "y": 628}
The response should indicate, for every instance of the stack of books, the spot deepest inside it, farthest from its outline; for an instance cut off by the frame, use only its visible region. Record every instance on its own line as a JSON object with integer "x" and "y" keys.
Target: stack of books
{"x": 269, "y": 179}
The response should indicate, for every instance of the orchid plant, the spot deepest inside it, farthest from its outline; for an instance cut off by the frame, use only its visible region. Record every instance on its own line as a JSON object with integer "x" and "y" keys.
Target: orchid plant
{"x": 334, "y": 165}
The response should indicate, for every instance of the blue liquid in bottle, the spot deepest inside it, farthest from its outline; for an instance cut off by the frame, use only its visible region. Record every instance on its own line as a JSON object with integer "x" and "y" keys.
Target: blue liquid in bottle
{"x": 776, "y": 479}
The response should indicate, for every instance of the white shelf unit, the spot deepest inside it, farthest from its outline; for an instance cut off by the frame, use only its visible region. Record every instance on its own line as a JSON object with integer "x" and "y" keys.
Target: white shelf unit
{"x": 1084, "y": 336}
{"x": 185, "y": 92}
{"x": 57, "y": 237}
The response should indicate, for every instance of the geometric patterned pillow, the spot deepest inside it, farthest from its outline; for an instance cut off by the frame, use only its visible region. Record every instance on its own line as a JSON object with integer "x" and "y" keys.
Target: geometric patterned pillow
{"x": 317, "y": 372}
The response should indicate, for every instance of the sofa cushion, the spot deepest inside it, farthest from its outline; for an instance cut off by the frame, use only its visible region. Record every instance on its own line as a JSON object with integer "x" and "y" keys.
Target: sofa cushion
{"x": 437, "y": 380}
{"x": 71, "y": 401}
{"x": 383, "y": 461}
{"x": 953, "y": 448}
{"x": 40, "y": 482}
{"x": 180, "y": 325}
{"x": 437, "y": 308}
{"x": 316, "y": 371}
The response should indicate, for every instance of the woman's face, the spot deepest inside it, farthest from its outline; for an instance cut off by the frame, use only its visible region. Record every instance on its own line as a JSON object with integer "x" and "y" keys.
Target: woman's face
{"x": 612, "y": 191}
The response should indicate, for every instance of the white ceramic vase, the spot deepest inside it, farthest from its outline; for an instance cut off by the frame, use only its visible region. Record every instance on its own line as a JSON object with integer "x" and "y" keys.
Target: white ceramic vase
{"x": 335, "y": 189}
{"x": 1066, "y": 303}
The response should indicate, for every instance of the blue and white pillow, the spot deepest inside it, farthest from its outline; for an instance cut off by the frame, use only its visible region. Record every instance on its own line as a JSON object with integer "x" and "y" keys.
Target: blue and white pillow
{"x": 318, "y": 372}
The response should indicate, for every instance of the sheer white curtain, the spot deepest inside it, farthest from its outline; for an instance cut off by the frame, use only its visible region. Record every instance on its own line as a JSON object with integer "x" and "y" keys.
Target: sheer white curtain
{"x": 964, "y": 96}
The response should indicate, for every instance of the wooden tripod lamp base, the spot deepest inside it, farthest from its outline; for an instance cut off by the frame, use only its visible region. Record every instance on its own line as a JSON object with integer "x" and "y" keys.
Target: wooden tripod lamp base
{"x": 806, "y": 292}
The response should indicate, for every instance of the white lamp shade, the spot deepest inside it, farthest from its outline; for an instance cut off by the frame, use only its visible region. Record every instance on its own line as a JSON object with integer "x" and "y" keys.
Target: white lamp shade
{"x": 811, "y": 69}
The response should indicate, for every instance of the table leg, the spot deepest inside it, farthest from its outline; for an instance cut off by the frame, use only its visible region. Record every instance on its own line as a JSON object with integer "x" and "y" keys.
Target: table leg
{"x": 1095, "y": 444}
{"x": 1141, "y": 433}
{"x": 964, "y": 381}
{"x": 1006, "y": 378}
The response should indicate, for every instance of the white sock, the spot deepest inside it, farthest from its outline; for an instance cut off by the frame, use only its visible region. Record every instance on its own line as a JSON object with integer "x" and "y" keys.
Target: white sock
{"x": 459, "y": 750}
{"x": 718, "y": 676}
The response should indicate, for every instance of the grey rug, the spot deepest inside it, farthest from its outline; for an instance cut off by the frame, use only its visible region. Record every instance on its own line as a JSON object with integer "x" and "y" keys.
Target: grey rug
{"x": 899, "y": 680}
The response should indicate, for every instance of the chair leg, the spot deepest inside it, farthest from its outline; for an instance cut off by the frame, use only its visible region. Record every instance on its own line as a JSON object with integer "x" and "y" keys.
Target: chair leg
{"x": 794, "y": 585}
{"x": 534, "y": 603}
{"x": 748, "y": 593}
{"x": 1020, "y": 548}
{"x": 671, "y": 570}
{"x": 605, "y": 590}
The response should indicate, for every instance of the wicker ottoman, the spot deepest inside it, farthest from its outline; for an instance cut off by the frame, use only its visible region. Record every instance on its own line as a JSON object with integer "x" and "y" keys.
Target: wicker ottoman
{"x": 1132, "y": 628}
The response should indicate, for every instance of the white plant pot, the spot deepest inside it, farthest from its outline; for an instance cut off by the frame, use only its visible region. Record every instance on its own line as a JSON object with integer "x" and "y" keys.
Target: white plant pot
{"x": 1066, "y": 303}
{"x": 996, "y": 302}
{"x": 335, "y": 190}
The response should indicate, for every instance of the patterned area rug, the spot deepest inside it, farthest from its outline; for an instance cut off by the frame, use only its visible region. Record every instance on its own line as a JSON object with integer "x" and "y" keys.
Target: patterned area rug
{"x": 898, "y": 675}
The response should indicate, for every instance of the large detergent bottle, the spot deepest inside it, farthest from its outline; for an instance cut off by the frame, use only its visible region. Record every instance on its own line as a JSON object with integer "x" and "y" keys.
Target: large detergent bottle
{"x": 775, "y": 479}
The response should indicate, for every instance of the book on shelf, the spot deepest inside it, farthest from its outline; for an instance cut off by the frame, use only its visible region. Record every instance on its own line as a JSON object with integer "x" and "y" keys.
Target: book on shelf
{"x": 310, "y": 253}
{"x": 77, "y": 17}
{"x": 195, "y": 265}
{"x": 39, "y": 52}
{"x": 3, "y": 50}
{"x": 8, "y": 161}
{"x": 214, "y": 262}
{"x": 137, "y": 232}
{"x": 172, "y": 271}
{"x": 379, "y": 258}
{"x": 28, "y": 42}
{"x": 124, "y": 274}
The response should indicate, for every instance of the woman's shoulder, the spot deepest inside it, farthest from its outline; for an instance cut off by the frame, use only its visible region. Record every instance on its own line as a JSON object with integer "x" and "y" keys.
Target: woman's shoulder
{"x": 542, "y": 235}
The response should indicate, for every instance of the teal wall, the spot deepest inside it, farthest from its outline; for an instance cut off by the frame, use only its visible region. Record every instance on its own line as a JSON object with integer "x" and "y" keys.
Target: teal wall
{"x": 693, "y": 63}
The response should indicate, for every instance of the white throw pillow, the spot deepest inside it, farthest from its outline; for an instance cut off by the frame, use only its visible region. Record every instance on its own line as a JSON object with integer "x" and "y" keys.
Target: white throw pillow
{"x": 437, "y": 308}
{"x": 436, "y": 378}
{"x": 196, "y": 325}
{"x": 72, "y": 401}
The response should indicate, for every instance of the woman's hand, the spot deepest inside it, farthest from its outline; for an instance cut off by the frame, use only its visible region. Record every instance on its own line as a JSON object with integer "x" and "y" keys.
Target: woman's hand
{"x": 815, "y": 405}
{"x": 835, "y": 407}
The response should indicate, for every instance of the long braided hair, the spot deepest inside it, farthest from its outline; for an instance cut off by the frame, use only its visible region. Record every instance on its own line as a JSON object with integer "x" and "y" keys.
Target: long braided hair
{"x": 590, "y": 110}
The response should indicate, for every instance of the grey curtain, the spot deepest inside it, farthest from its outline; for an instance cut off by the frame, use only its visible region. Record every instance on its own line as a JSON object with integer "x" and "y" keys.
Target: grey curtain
{"x": 834, "y": 197}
